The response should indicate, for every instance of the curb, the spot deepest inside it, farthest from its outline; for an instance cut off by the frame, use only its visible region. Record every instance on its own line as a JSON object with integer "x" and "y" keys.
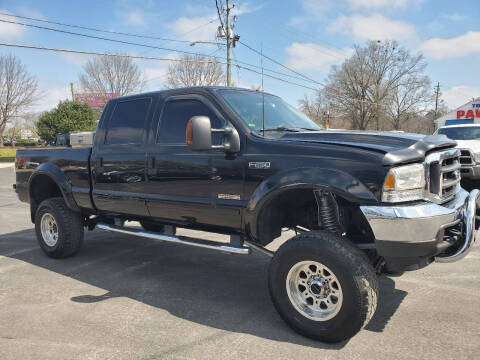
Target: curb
{"x": 7, "y": 159}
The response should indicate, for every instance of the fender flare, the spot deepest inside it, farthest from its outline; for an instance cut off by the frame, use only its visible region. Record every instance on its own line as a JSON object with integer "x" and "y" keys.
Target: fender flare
{"x": 59, "y": 178}
{"x": 335, "y": 181}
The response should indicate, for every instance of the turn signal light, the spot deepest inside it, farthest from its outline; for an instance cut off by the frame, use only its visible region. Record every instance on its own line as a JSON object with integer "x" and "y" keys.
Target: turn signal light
{"x": 389, "y": 182}
{"x": 189, "y": 133}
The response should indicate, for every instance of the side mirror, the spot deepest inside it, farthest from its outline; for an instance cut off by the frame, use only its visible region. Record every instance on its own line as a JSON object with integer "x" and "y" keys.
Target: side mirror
{"x": 199, "y": 135}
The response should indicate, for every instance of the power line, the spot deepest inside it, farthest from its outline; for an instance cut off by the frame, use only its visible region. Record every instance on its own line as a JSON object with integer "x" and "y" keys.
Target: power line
{"x": 97, "y": 37}
{"x": 137, "y": 44}
{"x": 279, "y": 63}
{"x": 110, "y": 31}
{"x": 148, "y": 58}
{"x": 186, "y": 33}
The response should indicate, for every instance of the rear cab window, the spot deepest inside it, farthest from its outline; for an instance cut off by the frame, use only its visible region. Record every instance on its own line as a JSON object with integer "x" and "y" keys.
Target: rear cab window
{"x": 127, "y": 122}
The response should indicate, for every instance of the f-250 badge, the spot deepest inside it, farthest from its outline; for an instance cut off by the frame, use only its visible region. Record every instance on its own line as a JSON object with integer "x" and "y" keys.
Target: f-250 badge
{"x": 259, "y": 165}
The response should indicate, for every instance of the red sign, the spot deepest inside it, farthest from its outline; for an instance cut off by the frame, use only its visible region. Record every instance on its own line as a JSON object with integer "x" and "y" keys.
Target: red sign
{"x": 469, "y": 114}
{"x": 95, "y": 100}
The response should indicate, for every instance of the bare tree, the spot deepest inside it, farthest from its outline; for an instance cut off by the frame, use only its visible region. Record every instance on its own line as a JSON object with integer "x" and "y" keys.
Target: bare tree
{"x": 112, "y": 74}
{"x": 315, "y": 107}
{"x": 362, "y": 88}
{"x": 18, "y": 90}
{"x": 347, "y": 92}
{"x": 195, "y": 70}
{"x": 408, "y": 99}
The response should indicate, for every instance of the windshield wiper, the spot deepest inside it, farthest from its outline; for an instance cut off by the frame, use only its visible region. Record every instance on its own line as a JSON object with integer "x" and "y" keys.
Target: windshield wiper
{"x": 279, "y": 128}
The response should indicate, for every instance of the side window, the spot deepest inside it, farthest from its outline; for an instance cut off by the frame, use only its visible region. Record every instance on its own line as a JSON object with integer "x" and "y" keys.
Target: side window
{"x": 127, "y": 123}
{"x": 175, "y": 117}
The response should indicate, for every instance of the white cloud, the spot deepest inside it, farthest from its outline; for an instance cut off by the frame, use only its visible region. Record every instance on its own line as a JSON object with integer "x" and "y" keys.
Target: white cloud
{"x": 135, "y": 18}
{"x": 156, "y": 75}
{"x": 245, "y": 8}
{"x": 378, "y": 4}
{"x": 26, "y": 11}
{"x": 309, "y": 56}
{"x": 454, "y": 17}
{"x": 195, "y": 28}
{"x": 75, "y": 59}
{"x": 51, "y": 95}
{"x": 313, "y": 11}
{"x": 374, "y": 27}
{"x": 9, "y": 31}
{"x": 463, "y": 45}
{"x": 459, "y": 95}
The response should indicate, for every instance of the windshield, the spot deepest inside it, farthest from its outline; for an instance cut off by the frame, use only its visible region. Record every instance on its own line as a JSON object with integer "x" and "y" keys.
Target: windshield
{"x": 279, "y": 116}
{"x": 461, "y": 133}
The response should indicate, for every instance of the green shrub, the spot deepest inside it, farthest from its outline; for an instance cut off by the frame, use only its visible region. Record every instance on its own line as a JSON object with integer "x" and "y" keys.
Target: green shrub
{"x": 26, "y": 142}
{"x": 66, "y": 117}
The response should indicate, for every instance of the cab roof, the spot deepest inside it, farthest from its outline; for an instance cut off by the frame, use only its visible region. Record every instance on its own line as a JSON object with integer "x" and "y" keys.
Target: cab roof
{"x": 185, "y": 90}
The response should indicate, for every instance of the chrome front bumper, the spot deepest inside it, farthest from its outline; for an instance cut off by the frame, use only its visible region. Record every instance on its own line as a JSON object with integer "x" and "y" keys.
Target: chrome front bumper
{"x": 420, "y": 225}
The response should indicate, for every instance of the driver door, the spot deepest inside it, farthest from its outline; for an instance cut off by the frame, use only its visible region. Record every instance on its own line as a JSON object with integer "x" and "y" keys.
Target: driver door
{"x": 188, "y": 186}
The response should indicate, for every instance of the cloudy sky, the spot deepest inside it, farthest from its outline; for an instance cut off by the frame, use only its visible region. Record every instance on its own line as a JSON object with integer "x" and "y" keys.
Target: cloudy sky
{"x": 306, "y": 35}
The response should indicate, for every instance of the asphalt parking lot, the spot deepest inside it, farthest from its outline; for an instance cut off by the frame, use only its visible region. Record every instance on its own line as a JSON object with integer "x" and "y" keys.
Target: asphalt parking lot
{"x": 123, "y": 297}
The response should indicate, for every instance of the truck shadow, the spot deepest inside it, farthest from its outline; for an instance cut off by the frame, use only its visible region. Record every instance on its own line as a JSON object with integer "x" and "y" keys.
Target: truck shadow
{"x": 222, "y": 291}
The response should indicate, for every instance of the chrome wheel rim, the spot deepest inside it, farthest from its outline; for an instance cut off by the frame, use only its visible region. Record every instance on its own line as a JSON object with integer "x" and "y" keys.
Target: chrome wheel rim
{"x": 49, "y": 229}
{"x": 314, "y": 290}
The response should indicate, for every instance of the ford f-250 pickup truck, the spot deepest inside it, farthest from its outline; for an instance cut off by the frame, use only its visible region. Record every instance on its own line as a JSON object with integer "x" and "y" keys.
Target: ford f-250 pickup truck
{"x": 246, "y": 164}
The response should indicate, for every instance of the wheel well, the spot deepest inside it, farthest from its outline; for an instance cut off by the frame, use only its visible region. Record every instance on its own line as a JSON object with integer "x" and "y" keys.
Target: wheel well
{"x": 299, "y": 207}
{"x": 42, "y": 187}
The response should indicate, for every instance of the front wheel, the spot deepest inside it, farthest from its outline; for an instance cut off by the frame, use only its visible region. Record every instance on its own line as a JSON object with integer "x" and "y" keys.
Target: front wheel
{"x": 323, "y": 286}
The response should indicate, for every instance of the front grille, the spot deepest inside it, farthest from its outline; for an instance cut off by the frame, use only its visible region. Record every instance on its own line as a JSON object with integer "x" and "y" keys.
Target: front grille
{"x": 443, "y": 175}
{"x": 466, "y": 157}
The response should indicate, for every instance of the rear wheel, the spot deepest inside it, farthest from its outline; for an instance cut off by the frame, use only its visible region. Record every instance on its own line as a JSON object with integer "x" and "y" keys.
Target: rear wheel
{"x": 59, "y": 230}
{"x": 323, "y": 286}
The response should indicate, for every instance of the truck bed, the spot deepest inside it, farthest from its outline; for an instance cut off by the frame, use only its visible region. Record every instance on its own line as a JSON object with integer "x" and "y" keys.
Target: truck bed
{"x": 72, "y": 162}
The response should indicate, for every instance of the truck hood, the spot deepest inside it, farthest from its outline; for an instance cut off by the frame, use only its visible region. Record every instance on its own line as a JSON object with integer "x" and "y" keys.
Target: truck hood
{"x": 473, "y": 145}
{"x": 399, "y": 148}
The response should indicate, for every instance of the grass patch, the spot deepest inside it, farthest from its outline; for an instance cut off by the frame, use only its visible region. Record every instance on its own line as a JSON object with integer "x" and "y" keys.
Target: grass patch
{"x": 7, "y": 152}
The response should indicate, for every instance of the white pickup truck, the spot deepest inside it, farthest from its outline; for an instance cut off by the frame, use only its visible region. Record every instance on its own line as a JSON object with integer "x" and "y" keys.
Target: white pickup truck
{"x": 468, "y": 141}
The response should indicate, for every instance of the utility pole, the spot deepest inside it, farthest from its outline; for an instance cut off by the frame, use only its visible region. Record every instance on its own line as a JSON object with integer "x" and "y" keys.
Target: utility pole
{"x": 227, "y": 30}
{"x": 437, "y": 95}
{"x": 71, "y": 90}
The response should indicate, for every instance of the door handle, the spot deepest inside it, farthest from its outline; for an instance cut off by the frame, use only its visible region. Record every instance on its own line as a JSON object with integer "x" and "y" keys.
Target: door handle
{"x": 99, "y": 162}
{"x": 151, "y": 162}
{"x": 151, "y": 165}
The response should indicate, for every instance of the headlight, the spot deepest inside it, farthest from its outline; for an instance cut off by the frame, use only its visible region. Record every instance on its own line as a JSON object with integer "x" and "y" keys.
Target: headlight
{"x": 477, "y": 157}
{"x": 404, "y": 183}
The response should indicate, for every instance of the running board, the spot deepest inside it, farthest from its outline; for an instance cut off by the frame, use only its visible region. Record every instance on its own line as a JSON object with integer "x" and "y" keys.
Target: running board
{"x": 177, "y": 239}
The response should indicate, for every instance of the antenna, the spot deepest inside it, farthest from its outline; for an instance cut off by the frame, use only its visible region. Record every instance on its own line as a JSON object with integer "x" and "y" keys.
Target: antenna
{"x": 263, "y": 92}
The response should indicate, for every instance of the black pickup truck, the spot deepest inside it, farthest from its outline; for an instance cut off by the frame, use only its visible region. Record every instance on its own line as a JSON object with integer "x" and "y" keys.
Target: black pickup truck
{"x": 246, "y": 164}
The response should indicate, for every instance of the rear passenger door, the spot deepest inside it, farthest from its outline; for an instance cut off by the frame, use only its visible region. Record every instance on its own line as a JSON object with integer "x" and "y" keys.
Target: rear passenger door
{"x": 118, "y": 160}
{"x": 183, "y": 185}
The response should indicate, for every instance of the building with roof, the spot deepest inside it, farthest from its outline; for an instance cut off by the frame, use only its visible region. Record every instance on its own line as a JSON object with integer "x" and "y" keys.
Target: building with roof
{"x": 468, "y": 113}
